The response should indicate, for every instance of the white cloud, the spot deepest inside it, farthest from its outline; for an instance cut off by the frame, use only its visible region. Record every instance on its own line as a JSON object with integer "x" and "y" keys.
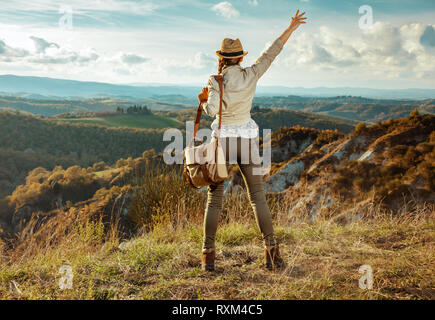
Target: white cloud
{"x": 380, "y": 51}
{"x": 131, "y": 58}
{"x": 70, "y": 55}
{"x": 199, "y": 64}
{"x": 46, "y": 53}
{"x": 226, "y": 10}
{"x": 55, "y": 55}
{"x": 384, "y": 56}
{"x": 41, "y": 45}
{"x": 202, "y": 60}
{"x": 8, "y": 53}
{"x": 253, "y": 3}
{"x": 427, "y": 39}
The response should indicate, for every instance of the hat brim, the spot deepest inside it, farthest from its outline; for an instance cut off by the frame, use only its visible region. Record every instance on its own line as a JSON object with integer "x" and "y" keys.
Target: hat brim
{"x": 231, "y": 57}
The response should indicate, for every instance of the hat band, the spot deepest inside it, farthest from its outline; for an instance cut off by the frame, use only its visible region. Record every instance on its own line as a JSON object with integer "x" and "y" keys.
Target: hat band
{"x": 231, "y": 54}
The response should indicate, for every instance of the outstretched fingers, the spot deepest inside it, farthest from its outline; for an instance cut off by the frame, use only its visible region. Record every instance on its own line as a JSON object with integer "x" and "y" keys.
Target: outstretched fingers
{"x": 298, "y": 19}
{"x": 299, "y": 16}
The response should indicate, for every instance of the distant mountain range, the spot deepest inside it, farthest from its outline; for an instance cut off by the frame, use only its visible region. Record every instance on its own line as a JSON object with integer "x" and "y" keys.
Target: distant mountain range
{"x": 43, "y": 88}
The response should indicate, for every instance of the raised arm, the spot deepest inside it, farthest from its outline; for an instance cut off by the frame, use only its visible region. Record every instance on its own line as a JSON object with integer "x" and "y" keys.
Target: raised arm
{"x": 263, "y": 63}
{"x": 297, "y": 20}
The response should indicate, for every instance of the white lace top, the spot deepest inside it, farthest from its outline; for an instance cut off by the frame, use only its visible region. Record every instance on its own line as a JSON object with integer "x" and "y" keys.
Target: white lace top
{"x": 249, "y": 130}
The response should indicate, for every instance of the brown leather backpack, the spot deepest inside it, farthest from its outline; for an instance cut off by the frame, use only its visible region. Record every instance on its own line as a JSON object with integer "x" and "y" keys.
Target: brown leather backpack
{"x": 205, "y": 164}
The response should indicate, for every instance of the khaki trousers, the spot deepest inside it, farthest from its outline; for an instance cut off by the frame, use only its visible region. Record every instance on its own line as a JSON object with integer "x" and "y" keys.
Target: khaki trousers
{"x": 254, "y": 185}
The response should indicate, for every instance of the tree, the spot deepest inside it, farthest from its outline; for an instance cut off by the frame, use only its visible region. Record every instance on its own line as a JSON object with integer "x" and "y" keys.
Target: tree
{"x": 360, "y": 128}
{"x": 414, "y": 113}
{"x": 99, "y": 166}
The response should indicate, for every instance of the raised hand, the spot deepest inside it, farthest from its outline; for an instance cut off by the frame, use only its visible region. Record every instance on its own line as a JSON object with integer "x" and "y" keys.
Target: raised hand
{"x": 297, "y": 20}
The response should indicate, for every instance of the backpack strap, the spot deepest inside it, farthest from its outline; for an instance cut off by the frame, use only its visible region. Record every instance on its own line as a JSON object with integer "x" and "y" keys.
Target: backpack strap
{"x": 198, "y": 118}
{"x": 219, "y": 79}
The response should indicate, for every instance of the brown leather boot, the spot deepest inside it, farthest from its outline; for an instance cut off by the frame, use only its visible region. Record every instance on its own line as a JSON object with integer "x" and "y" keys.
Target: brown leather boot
{"x": 272, "y": 258}
{"x": 208, "y": 256}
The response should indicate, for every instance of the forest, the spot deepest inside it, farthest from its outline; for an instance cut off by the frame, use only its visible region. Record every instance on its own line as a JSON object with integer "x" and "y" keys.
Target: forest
{"x": 28, "y": 141}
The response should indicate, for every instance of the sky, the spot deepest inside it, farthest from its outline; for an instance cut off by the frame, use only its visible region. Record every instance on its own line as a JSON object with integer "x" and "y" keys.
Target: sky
{"x": 387, "y": 44}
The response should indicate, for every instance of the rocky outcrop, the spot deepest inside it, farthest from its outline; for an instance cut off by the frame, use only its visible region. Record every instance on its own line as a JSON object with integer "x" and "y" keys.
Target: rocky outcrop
{"x": 290, "y": 148}
{"x": 396, "y": 167}
{"x": 286, "y": 177}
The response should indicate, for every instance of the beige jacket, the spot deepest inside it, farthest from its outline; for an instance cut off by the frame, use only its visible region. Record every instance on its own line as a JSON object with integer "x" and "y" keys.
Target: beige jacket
{"x": 239, "y": 86}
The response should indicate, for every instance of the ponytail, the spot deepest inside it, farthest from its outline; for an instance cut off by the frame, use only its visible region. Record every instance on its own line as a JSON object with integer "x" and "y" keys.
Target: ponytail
{"x": 227, "y": 62}
{"x": 221, "y": 65}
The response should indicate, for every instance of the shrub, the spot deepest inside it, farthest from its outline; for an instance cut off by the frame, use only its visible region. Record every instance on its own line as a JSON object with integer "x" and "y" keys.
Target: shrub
{"x": 163, "y": 197}
{"x": 428, "y": 171}
{"x": 414, "y": 113}
{"x": 397, "y": 151}
{"x": 360, "y": 128}
{"x": 99, "y": 166}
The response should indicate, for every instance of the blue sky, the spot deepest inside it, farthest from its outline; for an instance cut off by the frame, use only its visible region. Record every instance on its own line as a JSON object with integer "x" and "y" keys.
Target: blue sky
{"x": 122, "y": 41}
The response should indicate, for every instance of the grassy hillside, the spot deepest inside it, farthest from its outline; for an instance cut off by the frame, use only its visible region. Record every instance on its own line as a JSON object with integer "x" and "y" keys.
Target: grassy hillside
{"x": 51, "y": 107}
{"x": 136, "y": 234}
{"x": 323, "y": 256}
{"x": 268, "y": 118}
{"x": 129, "y": 121}
{"x": 323, "y": 262}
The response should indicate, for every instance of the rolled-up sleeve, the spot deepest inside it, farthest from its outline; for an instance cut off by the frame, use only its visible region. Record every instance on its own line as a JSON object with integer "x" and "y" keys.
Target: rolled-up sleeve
{"x": 263, "y": 63}
{"x": 211, "y": 107}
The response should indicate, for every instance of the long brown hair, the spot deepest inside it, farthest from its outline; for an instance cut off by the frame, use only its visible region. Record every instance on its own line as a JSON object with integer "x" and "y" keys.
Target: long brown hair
{"x": 227, "y": 62}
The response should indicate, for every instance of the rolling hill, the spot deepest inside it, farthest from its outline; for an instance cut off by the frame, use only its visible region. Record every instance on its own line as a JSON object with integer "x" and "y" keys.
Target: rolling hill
{"x": 51, "y": 87}
{"x": 52, "y": 107}
{"x": 27, "y": 142}
{"x": 63, "y": 88}
{"x": 343, "y": 108}
{"x": 323, "y": 172}
{"x": 350, "y": 108}
{"x": 339, "y": 202}
{"x": 125, "y": 120}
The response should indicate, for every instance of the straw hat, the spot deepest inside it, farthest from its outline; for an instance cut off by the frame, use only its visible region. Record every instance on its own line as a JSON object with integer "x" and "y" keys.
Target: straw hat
{"x": 231, "y": 49}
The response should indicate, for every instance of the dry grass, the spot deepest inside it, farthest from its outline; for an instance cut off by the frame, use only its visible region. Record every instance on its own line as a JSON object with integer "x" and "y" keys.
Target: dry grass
{"x": 163, "y": 260}
{"x": 323, "y": 259}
